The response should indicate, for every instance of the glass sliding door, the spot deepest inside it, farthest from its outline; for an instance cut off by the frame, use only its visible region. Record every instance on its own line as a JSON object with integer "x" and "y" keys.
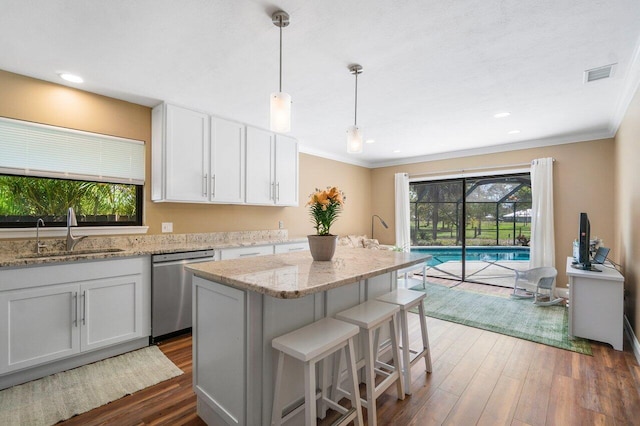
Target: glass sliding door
{"x": 436, "y": 225}
{"x": 477, "y": 229}
{"x": 498, "y": 227}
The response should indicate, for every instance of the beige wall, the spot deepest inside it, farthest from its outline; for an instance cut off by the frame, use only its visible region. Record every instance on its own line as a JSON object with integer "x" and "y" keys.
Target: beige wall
{"x": 627, "y": 229}
{"x": 583, "y": 182}
{"x": 28, "y": 99}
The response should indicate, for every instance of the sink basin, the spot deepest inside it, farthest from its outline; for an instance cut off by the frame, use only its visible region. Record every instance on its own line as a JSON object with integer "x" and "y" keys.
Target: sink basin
{"x": 69, "y": 253}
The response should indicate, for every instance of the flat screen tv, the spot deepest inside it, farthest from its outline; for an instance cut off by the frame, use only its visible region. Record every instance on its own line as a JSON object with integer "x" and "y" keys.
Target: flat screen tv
{"x": 584, "y": 242}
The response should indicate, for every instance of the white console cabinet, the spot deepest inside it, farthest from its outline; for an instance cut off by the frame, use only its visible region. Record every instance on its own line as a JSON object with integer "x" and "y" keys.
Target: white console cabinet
{"x": 596, "y": 301}
{"x": 54, "y": 312}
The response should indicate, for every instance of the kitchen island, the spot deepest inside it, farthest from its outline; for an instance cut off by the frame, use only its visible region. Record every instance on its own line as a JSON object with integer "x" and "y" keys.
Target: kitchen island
{"x": 240, "y": 305}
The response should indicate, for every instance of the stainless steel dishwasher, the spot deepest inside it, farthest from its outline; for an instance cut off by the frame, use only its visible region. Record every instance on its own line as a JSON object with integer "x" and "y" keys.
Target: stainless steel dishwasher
{"x": 171, "y": 292}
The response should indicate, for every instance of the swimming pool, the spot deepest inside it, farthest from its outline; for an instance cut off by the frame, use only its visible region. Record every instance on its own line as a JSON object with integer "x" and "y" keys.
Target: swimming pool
{"x": 490, "y": 253}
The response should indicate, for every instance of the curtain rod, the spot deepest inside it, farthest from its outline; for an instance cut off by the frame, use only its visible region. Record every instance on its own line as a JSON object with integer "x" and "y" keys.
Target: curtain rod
{"x": 473, "y": 169}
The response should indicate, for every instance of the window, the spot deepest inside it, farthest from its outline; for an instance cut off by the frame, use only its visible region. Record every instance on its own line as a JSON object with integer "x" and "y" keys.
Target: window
{"x": 44, "y": 170}
{"x": 24, "y": 199}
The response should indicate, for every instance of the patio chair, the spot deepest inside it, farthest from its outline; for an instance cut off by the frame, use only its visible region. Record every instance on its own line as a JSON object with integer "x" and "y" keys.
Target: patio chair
{"x": 537, "y": 283}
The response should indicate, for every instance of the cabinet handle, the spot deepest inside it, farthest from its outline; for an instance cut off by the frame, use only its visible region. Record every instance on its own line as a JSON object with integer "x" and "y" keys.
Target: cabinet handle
{"x": 249, "y": 254}
{"x": 75, "y": 309}
{"x": 204, "y": 185}
{"x": 84, "y": 306}
{"x": 213, "y": 185}
{"x": 273, "y": 191}
{"x": 296, "y": 249}
{"x": 277, "y": 191}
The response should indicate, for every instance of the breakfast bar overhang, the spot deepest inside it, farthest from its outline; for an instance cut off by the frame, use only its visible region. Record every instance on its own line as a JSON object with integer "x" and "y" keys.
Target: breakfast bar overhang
{"x": 240, "y": 305}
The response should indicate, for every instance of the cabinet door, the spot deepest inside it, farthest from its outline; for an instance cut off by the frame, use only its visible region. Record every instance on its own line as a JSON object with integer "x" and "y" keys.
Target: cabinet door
{"x": 38, "y": 325}
{"x": 227, "y": 161}
{"x": 286, "y": 167}
{"x": 239, "y": 252}
{"x": 290, "y": 247}
{"x": 186, "y": 148}
{"x": 260, "y": 173}
{"x": 110, "y": 311}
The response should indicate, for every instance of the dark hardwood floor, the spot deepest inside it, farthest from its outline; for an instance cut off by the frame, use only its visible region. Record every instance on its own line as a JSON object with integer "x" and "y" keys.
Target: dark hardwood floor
{"x": 479, "y": 377}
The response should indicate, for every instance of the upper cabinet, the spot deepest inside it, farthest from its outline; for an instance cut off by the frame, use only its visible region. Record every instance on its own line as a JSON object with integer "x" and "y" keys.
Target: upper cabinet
{"x": 205, "y": 159}
{"x": 227, "y": 161}
{"x": 272, "y": 168}
{"x": 180, "y": 154}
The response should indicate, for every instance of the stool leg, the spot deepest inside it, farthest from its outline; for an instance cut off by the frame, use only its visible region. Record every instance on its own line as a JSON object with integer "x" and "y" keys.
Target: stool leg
{"x": 370, "y": 357}
{"x": 276, "y": 413}
{"x": 406, "y": 352}
{"x": 425, "y": 337}
{"x": 350, "y": 356}
{"x": 310, "y": 393}
{"x": 396, "y": 357}
{"x": 335, "y": 380}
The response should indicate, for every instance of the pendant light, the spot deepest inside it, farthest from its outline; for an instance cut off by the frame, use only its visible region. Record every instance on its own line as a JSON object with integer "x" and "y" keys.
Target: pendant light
{"x": 280, "y": 102}
{"x": 354, "y": 135}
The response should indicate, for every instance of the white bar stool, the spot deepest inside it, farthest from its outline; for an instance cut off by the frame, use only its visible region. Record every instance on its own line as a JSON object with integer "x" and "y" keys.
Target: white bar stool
{"x": 311, "y": 344}
{"x": 370, "y": 316}
{"x": 406, "y": 300}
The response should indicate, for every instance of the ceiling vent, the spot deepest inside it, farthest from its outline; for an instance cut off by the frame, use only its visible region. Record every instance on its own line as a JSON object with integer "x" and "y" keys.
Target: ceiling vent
{"x": 599, "y": 73}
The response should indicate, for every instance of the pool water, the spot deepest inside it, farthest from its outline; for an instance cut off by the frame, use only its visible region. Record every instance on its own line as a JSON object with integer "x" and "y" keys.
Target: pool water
{"x": 489, "y": 254}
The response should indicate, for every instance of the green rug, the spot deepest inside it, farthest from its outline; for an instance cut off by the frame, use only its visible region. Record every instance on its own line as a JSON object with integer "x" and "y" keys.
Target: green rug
{"x": 513, "y": 317}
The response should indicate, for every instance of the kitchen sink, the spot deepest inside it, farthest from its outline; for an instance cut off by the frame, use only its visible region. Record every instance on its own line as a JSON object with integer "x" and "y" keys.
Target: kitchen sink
{"x": 69, "y": 253}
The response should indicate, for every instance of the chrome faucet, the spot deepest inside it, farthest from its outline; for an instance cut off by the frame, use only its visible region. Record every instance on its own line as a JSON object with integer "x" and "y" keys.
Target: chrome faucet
{"x": 39, "y": 245}
{"x": 71, "y": 221}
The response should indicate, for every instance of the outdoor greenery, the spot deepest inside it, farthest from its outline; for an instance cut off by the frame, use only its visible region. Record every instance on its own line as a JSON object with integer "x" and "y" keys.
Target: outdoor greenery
{"x": 497, "y": 211}
{"x": 25, "y": 199}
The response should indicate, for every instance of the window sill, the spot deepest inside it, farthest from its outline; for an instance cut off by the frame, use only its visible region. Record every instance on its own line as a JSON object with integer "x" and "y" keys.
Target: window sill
{"x": 46, "y": 232}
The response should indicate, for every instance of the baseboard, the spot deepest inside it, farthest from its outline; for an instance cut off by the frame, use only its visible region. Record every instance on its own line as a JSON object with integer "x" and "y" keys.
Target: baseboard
{"x": 632, "y": 338}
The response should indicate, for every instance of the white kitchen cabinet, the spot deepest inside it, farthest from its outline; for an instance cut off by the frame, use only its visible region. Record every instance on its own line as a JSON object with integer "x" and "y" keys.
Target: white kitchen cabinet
{"x": 38, "y": 325}
{"x": 286, "y": 171}
{"x": 291, "y": 247}
{"x": 227, "y": 161}
{"x": 239, "y": 252}
{"x": 180, "y": 154}
{"x": 111, "y": 311}
{"x": 54, "y": 312}
{"x": 272, "y": 168}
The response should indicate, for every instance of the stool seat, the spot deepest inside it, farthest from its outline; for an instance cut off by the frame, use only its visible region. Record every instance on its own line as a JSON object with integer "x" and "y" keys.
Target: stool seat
{"x": 402, "y": 297}
{"x": 369, "y": 314}
{"x": 405, "y": 300}
{"x": 312, "y": 344}
{"x": 314, "y": 339}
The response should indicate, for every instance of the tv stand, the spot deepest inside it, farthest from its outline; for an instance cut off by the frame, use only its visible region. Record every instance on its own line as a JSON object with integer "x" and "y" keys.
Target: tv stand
{"x": 596, "y": 305}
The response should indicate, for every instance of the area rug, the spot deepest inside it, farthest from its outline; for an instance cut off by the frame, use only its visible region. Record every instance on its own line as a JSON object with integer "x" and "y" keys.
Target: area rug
{"x": 513, "y": 317}
{"x": 61, "y": 396}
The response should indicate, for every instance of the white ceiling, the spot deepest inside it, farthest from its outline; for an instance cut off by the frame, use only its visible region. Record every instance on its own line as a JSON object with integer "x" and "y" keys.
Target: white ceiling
{"x": 435, "y": 72}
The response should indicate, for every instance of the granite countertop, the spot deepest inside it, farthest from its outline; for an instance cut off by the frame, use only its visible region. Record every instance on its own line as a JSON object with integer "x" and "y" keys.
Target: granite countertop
{"x": 294, "y": 275}
{"x": 21, "y": 253}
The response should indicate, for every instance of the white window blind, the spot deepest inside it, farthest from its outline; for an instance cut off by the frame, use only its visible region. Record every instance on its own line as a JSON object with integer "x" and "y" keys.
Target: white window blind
{"x": 30, "y": 149}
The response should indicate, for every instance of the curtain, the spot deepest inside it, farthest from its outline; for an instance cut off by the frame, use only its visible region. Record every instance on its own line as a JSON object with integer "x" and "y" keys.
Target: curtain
{"x": 542, "y": 233}
{"x": 403, "y": 233}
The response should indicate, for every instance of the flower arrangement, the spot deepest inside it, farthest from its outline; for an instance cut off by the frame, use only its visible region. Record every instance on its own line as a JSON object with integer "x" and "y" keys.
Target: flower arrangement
{"x": 325, "y": 207}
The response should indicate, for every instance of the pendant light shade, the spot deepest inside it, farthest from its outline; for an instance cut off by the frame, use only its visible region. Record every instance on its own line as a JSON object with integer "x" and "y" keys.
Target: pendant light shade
{"x": 280, "y": 112}
{"x": 354, "y": 140}
{"x": 354, "y": 134}
{"x": 280, "y": 102}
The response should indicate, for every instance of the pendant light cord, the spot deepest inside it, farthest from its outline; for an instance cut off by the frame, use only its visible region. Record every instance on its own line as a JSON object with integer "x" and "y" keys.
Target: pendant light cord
{"x": 280, "y": 19}
{"x": 355, "y": 113}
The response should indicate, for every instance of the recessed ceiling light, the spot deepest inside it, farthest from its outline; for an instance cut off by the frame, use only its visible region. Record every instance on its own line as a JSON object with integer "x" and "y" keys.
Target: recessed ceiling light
{"x": 514, "y": 132}
{"x": 369, "y": 141}
{"x": 502, "y": 114}
{"x": 71, "y": 77}
{"x": 395, "y": 151}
